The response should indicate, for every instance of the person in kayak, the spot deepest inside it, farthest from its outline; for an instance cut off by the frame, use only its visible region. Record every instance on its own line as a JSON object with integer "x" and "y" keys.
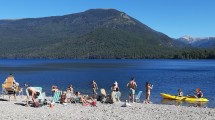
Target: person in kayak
{"x": 198, "y": 93}
{"x": 180, "y": 93}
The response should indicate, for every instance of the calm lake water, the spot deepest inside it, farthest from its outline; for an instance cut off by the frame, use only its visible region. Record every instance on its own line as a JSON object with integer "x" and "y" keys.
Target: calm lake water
{"x": 166, "y": 76}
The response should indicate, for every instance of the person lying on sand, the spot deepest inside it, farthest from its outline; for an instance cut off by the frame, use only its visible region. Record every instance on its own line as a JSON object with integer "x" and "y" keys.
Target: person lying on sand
{"x": 84, "y": 99}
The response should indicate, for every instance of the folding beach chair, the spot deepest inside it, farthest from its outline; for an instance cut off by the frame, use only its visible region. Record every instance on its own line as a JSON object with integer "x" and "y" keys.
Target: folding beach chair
{"x": 118, "y": 96}
{"x": 8, "y": 87}
{"x": 40, "y": 97}
{"x": 3, "y": 91}
{"x": 56, "y": 97}
{"x": 137, "y": 97}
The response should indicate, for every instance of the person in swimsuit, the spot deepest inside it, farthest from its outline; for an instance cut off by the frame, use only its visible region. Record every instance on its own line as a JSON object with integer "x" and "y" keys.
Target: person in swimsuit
{"x": 148, "y": 92}
{"x": 70, "y": 89}
{"x": 132, "y": 86}
{"x": 94, "y": 88}
{"x": 33, "y": 92}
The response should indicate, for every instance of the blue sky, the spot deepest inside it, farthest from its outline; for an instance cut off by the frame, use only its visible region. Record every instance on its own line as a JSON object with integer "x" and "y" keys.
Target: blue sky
{"x": 174, "y": 18}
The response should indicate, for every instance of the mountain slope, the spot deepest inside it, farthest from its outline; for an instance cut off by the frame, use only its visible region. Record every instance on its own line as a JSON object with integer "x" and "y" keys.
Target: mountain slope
{"x": 206, "y": 42}
{"x": 96, "y": 33}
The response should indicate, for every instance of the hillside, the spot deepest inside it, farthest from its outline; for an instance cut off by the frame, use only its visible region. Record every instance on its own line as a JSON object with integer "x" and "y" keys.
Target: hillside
{"x": 95, "y": 33}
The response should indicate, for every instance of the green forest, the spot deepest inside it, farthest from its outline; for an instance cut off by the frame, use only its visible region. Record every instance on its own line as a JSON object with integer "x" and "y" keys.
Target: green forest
{"x": 93, "y": 34}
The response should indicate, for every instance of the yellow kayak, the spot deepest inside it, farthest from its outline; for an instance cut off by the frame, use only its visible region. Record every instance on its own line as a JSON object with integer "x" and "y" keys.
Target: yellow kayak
{"x": 184, "y": 98}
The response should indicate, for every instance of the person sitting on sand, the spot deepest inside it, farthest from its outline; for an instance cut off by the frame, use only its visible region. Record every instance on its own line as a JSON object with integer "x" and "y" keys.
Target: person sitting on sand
{"x": 34, "y": 93}
{"x": 180, "y": 93}
{"x": 64, "y": 98}
{"x": 148, "y": 92}
{"x": 132, "y": 86}
{"x": 85, "y": 99}
{"x": 198, "y": 93}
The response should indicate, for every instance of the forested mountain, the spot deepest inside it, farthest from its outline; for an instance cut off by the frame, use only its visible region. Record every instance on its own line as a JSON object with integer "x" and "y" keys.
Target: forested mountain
{"x": 95, "y": 33}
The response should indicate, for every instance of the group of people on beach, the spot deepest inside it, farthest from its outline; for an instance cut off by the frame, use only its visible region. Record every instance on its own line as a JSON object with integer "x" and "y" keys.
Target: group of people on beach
{"x": 115, "y": 94}
{"x": 68, "y": 95}
{"x": 132, "y": 85}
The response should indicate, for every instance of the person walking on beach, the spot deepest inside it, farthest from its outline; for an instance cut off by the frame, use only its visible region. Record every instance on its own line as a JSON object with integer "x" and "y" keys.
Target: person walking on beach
{"x": 132, "y": 86}
{"x": 94, "y": 88}
{"x": 148, "y": 92}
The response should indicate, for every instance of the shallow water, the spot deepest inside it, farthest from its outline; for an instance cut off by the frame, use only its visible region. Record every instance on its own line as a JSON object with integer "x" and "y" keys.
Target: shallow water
{"x": 166, "y": 76}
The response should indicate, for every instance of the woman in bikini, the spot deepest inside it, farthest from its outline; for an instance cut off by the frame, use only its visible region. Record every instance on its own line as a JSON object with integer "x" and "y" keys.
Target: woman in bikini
{"x": 148, "y": 92}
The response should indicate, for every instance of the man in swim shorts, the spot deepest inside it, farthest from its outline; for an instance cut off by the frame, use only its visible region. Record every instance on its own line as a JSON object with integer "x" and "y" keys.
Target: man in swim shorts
{"x": 132, "y": 86}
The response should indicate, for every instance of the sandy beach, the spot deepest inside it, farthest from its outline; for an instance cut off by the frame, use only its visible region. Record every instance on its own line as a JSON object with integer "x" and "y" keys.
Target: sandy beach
{"x": 16, "y": 110}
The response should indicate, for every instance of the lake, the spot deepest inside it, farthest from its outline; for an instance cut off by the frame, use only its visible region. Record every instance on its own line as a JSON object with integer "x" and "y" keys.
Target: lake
{"x": 166, "y": 75}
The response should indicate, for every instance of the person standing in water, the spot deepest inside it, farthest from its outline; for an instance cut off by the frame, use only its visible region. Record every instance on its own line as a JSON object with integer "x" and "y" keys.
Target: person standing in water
{"x": 132, "y": 86}
{"x": 94, "y": 88}
{"x": 148, "y": 92}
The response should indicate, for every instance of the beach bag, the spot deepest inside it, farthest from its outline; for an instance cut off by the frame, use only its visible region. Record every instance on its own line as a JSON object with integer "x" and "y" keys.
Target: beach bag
{"x": 36, "y": 104}
{"x": 99, "y": 98}
{"x": 93, "y": 103}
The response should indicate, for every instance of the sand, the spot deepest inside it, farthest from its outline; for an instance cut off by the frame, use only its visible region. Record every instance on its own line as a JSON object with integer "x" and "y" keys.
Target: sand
{"x": 15, "y": 110}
